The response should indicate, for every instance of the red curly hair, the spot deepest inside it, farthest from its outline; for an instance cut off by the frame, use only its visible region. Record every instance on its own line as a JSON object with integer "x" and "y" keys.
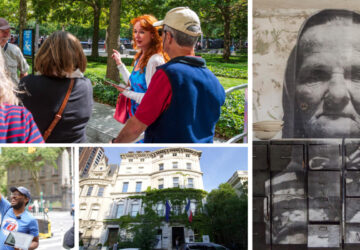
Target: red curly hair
{"x": 155, "y": 47}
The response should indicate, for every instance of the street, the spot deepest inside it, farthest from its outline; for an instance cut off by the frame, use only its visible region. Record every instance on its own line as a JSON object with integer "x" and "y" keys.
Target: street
{"x": 60, "y": 223}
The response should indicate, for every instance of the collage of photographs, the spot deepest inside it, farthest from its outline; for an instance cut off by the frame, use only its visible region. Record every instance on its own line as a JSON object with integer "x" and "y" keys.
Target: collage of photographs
{"x": 180, "y": 125}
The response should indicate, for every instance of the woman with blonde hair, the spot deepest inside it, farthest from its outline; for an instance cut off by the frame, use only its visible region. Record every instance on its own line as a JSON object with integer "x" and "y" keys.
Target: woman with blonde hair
{"x": 60, "y": 98}
{"x": 16, "y": 123}
{"x": 147, "y": 41}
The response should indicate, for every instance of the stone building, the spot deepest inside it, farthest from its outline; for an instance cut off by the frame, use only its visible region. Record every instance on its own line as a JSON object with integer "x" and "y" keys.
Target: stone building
{"x": 104, "y": 193}
{"x": 237, "y": 179}
{"x": 56, "y": 184}
{"x": 89, "y": 157}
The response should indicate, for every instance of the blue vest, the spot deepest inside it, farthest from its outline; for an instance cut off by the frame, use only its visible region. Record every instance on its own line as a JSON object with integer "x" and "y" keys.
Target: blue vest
{"x": 197, "y": 97}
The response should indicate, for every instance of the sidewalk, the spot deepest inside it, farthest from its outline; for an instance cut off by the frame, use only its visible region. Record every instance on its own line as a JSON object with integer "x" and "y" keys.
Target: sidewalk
{"x": 102, "y": 127}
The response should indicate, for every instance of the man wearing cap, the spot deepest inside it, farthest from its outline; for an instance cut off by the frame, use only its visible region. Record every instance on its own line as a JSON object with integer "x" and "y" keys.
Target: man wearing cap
{"x": 15, "y": 218}
{"x": 182, "y": 104}
{"x": 13, "y": 57}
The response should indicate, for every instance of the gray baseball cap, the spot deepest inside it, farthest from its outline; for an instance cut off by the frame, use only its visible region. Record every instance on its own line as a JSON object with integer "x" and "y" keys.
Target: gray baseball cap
{"x": 22, "y": 190}
{"x": 4, "y": 25}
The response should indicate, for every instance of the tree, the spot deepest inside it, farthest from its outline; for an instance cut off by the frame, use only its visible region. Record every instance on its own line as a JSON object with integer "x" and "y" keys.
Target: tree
{"x": 31, "y": 161}
{"x": 96, "y": 6}
{"x": 227, "y": 217}
{"x": 113, "y": 31}
{"x": 223, "y": 11}
{"x": 22, "y": 21}
{"x": 146, "y": 230}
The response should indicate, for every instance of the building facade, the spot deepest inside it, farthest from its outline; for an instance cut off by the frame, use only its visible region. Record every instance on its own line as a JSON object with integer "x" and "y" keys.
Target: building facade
{"x": 56, "y": 184}
{"x": 89, "y": 157}
{"x": 105, "y": 192}
{"x": 237, "y": 179}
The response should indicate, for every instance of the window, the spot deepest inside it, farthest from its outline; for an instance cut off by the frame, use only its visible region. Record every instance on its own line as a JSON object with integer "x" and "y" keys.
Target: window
{"x": 130, "y": 160}
{"x": 142, "y": 159}
{"x": 134, "y": 210}
{"x": 175, "y": 164}
{"x": 55, "y": 188}
{"x": 176, "y": 181}
{"x": 160, "y": 209}
{"x": 187, "y": 155}
{"x": 42, "y": 171}
{"x": 161, "y": 183}
{"x": 188, "y": 165}
{"x": 90, "y": 189}
{"x": 125, "y": 187}
{"x": 100, "y": 192}
{"x": 176, "y": 209}
{"x": 82, "y": 211}
{"x": 120, "y": 210}
{"x": 193, "y": 207}
{"x": 174, "y": 154}
{"x": 161, "y": 166}
{"x": 138, "y": 187}
{"x": 94, "y": 212}
{"x": 190, "y": 183}
{"x": 55, "y": 171}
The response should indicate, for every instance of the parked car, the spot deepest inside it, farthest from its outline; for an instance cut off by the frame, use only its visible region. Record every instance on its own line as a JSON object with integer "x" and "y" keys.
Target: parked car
{"x": 202, "y": 246}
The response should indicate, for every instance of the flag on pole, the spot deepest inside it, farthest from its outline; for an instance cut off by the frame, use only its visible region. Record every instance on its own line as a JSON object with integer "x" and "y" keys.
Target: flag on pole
{"x": 188, "y": 211}
{"x": 167, "y": 211}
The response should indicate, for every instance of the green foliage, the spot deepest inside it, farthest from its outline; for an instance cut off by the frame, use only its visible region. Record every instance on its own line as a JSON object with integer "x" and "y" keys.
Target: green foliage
{"x": 228, "y": 72}
{"x": 145, "y": 232}
{"x": 144, "y": 226}
{"x": 12, "y": 157}
{"x": 103, "y": 93}
{"x": 103, "y": 60}
{"x": 231, "y": 121}
{"x": 227, "y": 216}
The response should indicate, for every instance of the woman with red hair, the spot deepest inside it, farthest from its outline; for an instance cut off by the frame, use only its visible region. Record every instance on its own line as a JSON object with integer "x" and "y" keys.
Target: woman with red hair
{"x": 150, "y": 55}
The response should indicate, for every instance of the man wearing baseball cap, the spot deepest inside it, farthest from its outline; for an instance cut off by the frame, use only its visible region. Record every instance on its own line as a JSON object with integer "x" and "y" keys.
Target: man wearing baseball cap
{"x": 15, "y": 218}
{"x": 182, "y": 104}
{"x": 13, "y": 56}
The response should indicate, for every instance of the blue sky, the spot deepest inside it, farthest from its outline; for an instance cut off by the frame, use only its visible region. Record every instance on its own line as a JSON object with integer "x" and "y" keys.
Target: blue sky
{"x": 217, "y": 163}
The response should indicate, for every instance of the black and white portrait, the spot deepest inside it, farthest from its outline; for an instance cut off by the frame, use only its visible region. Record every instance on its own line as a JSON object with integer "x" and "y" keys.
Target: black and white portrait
{"x": 321, "y": 92}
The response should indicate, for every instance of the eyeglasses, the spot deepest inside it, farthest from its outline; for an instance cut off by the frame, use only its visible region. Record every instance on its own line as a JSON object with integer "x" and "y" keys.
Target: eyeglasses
{"x": 160, "y": 31}
{"x": 15, "y": 195}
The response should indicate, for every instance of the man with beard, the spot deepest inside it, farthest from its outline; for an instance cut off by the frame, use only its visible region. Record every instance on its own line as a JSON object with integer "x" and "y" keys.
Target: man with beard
{"x": 15, "y": 218}
{"x": 13, "y": 57}
{"x": 321, "y": 97}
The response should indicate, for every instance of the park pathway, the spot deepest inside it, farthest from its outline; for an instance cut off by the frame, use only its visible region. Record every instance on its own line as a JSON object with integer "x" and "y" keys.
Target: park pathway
{"x": 102, "y": 127}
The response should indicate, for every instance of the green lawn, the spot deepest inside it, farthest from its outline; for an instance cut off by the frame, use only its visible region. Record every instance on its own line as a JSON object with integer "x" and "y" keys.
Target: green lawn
{"x": 215, "y": 63}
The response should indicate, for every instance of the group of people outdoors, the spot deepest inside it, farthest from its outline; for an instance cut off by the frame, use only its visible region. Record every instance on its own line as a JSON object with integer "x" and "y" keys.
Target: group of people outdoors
{"x": 170, "y": 96}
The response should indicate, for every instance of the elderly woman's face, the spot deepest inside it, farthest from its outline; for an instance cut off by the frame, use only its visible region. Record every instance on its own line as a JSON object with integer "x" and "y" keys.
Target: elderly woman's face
{"x": 328, "y": 81}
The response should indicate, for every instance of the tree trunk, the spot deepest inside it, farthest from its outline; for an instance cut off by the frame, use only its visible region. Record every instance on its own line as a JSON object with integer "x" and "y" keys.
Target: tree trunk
{"x": 112, "y": 39}
{"x": 226, "y": 15}
{"x": 35, "y": 178}
{"x": 22, "y": 21}
{"x": 95, "y": 38}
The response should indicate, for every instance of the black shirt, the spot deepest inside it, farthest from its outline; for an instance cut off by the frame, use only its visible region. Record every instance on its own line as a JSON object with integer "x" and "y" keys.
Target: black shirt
{"x": 44, "y": 95}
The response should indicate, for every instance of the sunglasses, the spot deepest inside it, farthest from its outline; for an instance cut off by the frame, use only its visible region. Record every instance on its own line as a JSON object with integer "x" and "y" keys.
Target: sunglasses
{"x": 160, "y": 31}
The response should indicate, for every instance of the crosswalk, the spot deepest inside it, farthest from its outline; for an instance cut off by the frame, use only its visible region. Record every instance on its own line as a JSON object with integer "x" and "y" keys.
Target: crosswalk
{"x": 60, "y": 223}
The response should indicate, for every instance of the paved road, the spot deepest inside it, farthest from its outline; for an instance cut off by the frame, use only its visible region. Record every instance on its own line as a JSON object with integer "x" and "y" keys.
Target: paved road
{"x": 60, "y": 223}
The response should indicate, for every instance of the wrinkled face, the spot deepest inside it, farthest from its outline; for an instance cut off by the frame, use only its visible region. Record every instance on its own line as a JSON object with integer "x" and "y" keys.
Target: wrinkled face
{"x": 18, "y": 200}
{"x": 328, "y": 81}
{"x": 4, "y": 36}
{"x": 142, "y": 37}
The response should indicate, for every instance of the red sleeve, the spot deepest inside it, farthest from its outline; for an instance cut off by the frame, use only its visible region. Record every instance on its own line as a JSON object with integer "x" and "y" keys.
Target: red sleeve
{"x": 156, "y": 99}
